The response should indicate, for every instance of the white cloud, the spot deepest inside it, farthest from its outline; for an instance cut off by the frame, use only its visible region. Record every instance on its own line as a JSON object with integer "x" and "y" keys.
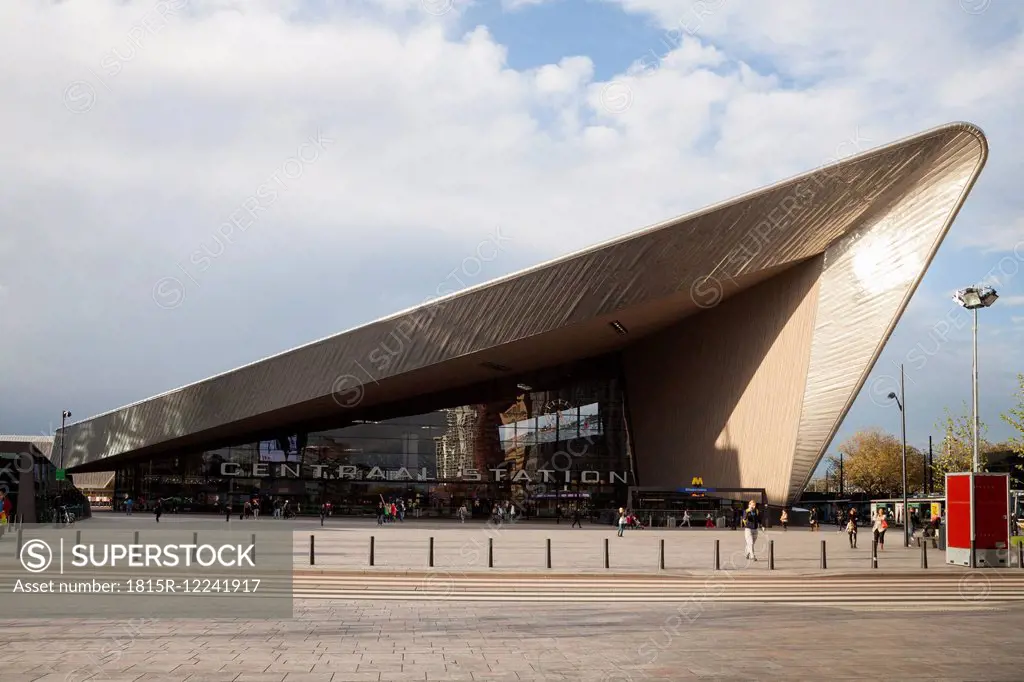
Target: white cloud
{"x": 435, "y": 139}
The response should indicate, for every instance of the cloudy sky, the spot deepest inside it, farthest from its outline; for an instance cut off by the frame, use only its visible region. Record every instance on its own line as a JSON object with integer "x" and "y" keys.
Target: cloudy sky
{"x": 384, "y": 141}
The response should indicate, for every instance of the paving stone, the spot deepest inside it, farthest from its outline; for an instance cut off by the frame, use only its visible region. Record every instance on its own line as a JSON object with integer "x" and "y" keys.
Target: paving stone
{"x": 340, "y": 641}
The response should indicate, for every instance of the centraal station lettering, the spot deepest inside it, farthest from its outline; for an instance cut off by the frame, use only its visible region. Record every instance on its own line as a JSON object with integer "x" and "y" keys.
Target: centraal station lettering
{"x": 353, "y": 473}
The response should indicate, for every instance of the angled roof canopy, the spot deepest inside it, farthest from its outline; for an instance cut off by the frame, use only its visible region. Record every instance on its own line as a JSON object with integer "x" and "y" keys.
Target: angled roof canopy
{"x": 854, "y": 215}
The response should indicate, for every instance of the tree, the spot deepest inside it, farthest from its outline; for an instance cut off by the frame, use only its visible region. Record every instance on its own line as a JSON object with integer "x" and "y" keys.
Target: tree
{"x": 1015, "y": 418}
{"x": 956, "y": 450}
{"x": 873, "y": 464}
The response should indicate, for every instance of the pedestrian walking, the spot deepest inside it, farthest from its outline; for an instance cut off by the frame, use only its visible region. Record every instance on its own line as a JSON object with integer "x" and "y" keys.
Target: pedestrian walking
{"x": 814, "y": 519}
{"x": 158, "y": 510}
{"x": 622, "y": 521}
{"x": 686, "y": 519}
{"x": 576, "y": 518}
{"x": 751, "y": 522}
{"x": 128, "y": 504}
{"x": 784, "y": 520}
{"x": 851, "y": 528}
{"x": 878, "y": 528}
{"x": 227, "y": 510}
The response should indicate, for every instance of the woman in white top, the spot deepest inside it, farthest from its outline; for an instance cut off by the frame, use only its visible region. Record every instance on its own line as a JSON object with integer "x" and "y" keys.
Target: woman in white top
{"x": 878, "y": 528}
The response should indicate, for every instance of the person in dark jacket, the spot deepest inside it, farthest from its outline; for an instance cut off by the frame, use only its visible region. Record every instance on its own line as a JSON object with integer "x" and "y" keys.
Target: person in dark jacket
{"x": 751, "y": 523}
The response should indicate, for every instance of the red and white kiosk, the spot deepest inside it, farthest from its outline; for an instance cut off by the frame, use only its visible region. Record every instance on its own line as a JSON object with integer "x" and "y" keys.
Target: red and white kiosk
{"x": 978, "y": 519}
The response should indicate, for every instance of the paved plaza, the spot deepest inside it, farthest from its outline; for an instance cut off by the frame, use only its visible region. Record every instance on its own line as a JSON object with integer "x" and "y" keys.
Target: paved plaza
{"x": 339, "y": 641}
{"x": 344, "y": 543}
{"x": 401, "y": 620}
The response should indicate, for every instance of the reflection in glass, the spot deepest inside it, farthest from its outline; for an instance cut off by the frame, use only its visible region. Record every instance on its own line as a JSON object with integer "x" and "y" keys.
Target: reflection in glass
{"x": 563, "y": 442}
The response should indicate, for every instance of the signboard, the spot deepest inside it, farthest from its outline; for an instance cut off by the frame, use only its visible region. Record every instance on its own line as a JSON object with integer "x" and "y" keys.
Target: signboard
{"x": 936, "y": 509}
{"x": 62, "y": 474}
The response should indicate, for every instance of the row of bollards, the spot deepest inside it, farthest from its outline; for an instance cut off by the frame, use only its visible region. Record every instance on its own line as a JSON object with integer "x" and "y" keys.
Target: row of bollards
{"x": 135, "y": 540}
{"x": 716, "y": 564}
{"x": 12, "y": 525}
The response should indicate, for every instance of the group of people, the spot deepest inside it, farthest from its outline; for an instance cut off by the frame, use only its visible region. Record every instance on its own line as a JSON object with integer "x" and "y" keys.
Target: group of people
{"x": 627, "y": 519}
{"x": 390, "y": 511}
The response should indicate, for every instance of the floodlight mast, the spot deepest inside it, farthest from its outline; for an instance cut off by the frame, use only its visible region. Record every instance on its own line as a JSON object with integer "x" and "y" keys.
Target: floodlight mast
{"x": 974, "y": 298}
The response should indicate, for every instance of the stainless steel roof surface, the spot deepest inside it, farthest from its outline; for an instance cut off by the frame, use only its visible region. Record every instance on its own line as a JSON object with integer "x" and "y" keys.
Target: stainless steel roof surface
{"x": 885, "y": 210}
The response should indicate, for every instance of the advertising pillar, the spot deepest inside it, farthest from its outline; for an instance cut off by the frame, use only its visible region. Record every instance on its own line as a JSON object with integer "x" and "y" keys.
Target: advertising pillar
{"x": 977, "y": 519}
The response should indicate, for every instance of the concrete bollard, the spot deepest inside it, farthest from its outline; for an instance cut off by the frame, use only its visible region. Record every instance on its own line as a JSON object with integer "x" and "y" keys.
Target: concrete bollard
{"x": 771, "y": 555}
{"x": 195, "y": 546}
{"x": 490, "y": 552}
{"x": 78, "y": 537}
{"x": 20, "y": 540}
{"x": 430, "y": 555}
{"x": 549, "y": 553}
{"x": 924, "y": 555}
{"x": 661, "y": 555}
{"x": 823, "y": 564}
{"x": 718, "y": 556}
{"x": 607, "y": 562}
{"x": 874, "y": 554}
{"x": 312, "y": 550}
{"x": 371, "y": 550}
{"x": 254, "y": 547}
{"x": 1020, "y": 555}
{"x": 136, "y": 537}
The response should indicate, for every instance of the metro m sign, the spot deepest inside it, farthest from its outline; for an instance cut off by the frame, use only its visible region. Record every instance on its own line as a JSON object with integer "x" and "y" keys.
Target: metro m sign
{"x": 697, "y": 482}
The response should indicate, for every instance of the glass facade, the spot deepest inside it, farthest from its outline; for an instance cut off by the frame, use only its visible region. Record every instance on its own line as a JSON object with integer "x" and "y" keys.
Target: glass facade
{"x": 544, "y": 449}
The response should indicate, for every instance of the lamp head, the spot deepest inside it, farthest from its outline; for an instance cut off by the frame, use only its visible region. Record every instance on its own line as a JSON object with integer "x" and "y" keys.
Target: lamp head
{"x": 973, "y": 298}
{"x": 892, "y": 396}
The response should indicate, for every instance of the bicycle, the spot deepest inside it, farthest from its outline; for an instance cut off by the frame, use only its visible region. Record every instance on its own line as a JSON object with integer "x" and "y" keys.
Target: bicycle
{"x": 65, "y": 517}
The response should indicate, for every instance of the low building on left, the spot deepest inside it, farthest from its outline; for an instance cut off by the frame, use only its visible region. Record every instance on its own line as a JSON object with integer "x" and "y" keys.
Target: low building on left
{"x": 30, "y": 491}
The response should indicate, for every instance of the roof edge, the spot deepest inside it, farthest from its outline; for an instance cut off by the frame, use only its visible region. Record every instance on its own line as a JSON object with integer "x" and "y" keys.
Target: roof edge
{"x": 962, "y": 125}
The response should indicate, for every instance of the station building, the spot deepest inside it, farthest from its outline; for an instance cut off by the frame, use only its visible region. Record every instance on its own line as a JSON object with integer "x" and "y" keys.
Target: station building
{"x": 707, "y": 356}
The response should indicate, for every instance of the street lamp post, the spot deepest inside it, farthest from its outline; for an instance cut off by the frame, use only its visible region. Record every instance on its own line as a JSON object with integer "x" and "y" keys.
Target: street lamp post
{"x": 974, "y": 298}
{"x": 840, "y": 474}
{"x": 900, "y": 403}
{"x": 64, "y": 416}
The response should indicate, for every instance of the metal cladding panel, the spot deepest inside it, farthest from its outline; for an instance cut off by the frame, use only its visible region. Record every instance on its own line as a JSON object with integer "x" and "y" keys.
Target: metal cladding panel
{"x": 718, "y": 395}
{"x": 869, "y": 277}
{"x": 705, "y": 256}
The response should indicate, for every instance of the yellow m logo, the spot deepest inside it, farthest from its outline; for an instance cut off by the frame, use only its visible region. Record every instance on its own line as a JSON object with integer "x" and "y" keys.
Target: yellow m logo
{"x": 697, "y": 481}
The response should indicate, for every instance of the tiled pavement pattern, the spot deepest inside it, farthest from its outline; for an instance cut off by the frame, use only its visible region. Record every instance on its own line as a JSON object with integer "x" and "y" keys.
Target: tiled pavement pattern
{"x": 345, "y": 542}
{"x": 523, "y": 547}
{"x": 342, "y": 641}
